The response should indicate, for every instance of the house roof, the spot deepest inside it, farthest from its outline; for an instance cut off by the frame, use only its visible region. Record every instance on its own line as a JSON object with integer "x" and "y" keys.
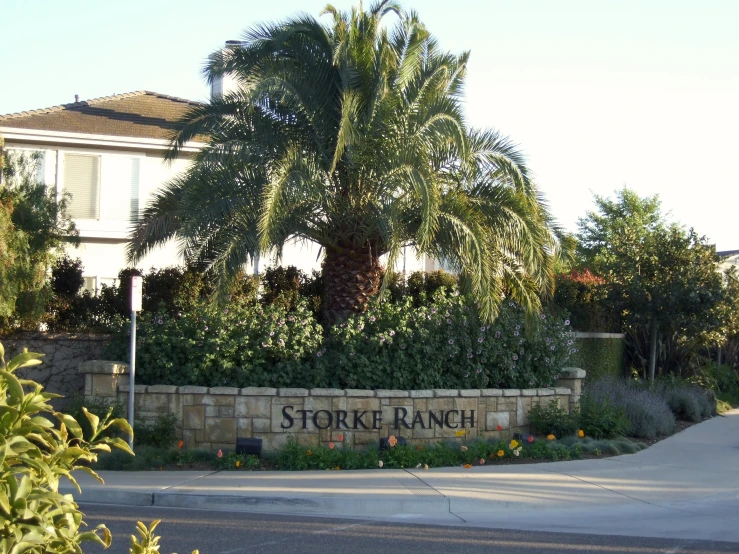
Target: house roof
{"x": 140, "y": 114}
{"x": 727, "y": 253}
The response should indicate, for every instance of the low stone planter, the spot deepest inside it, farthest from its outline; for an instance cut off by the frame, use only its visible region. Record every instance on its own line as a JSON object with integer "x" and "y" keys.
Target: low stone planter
{"x": 211, "y": 418}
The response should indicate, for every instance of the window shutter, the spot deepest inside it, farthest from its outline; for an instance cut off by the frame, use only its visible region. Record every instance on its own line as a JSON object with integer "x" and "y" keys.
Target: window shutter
{"x": 135, "y": 165}
{"x": 82, "y": 181}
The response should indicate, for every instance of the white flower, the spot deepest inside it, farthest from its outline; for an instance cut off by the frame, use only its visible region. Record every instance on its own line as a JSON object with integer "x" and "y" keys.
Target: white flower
{"x": 380, "y": 464}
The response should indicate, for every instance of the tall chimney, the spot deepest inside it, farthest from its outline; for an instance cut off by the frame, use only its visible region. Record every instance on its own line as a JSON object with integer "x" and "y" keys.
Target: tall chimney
{"x": 76, "y": 98}
{"x": 225, "y": 83}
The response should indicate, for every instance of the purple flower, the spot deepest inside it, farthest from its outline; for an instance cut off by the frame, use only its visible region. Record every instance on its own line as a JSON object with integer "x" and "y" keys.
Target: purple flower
{"x": 318, "y": 354}
{"x": 552, "y": 347}
{"x": 360, "y": 327}
{"x": 159, "y": 321}
{"x": 569, "y": 342}
{"x": 372, "y": 319}
{"x": 479, "y": 339}
{"x": 392, "y": 333}
{"x": 382, "y": 339}
{"x": 515, "y": 333}
{"x": 497, "y": 334}
{"x": 515, "y": 357}
{"x": 433, "y": 310}
{"x": 543, "y": 316}
{"x": 567, "y": 321}
{"x": 451, "y": 341}
{"x": 479, "y": 370}
{"x": 482, "y": 329}
{"x": 449, "y": 321}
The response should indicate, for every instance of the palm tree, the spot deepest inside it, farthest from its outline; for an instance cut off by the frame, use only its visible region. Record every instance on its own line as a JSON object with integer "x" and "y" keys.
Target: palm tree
{"x": 351, "y": 135}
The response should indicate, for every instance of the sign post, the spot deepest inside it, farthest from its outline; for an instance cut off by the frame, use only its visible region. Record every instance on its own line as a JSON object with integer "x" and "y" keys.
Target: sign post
{"x": 136, "y": 288}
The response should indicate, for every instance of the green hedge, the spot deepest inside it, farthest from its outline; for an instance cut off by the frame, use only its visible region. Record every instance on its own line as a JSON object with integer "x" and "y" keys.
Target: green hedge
{"x": 599, "y": 357}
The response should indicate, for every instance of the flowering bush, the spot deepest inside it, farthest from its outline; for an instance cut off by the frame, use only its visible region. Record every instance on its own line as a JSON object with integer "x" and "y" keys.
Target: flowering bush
{"x": 242, "y": 345}
{"x": 443, "y": 344}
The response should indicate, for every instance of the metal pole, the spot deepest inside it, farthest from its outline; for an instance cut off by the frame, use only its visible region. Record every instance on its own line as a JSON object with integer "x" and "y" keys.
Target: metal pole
{"x": 132, "y": 374}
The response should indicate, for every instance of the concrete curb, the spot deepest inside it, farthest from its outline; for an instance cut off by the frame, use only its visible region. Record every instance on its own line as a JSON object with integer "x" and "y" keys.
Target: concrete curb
{"x": 313, "y": 505}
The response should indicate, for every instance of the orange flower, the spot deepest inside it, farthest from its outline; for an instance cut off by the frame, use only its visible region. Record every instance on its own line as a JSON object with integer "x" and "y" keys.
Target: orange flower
{"x": 180, "y": 444}
{"x": 331, "y": 446}
{"x": 551, "y": 437}
{"x": 581, "y": 433}
{"x": 392, "y": 441}
{"x": 341, "y": 437}
{"x": 501, "y": 453}
{"x": 467, "y": 466}
{"x": 531, "y": 438}
{"x": 308, "y": 453}
{"x": 219, "y": 454}
{"x": 499, "y": 428}
{"x": 419, "y": 448}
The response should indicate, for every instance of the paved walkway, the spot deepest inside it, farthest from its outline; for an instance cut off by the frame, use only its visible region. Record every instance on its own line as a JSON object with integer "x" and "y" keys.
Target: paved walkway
{"x": 686, "y": 487}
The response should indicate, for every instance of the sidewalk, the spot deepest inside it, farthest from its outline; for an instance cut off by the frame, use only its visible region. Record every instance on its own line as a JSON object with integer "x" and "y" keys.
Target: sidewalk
{"x": 686, "y": 486}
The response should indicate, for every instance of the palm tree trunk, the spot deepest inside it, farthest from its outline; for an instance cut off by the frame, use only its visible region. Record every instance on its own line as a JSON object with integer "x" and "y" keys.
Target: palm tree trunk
{"x": 350, "y": 278}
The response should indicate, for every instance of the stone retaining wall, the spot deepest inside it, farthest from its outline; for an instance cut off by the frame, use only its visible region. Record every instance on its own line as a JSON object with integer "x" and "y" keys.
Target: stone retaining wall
{"x": 212, "y": 418}
{"x": 63, "y": 354}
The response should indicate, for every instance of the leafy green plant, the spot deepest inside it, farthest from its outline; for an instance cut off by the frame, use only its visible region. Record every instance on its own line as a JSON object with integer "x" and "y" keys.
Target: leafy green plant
{"x": 162, "y": 433}
{"x": 232, "y": 460}
{"x": 553, "y": 419}
{"x": 36, "y": 454}
{"x": 79, "y": 404}
{"x": 601, "y": 419}
{"x": 148, "y": 542}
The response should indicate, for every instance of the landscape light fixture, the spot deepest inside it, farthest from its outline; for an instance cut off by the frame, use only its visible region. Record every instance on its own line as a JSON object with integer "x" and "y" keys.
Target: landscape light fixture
{"x": 249, "y": 447}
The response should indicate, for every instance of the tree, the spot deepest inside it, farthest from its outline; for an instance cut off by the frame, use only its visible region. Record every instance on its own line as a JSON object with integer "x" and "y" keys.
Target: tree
{"x": 34, "y": 228}
{"x": 351, "y": 135}
{"x": 664, "y": 279}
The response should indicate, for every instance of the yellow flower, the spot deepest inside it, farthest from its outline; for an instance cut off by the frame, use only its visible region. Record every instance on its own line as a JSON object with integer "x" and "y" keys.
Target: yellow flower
{"x": 309, "y": 453}
{"x": 238, "y": 463}
{"x": 514, "y": 443}
{"x": 581, "y": 433}
{"x": 461, "y": 433}
{"x": 501, "y": 453}
{"x": 551, "y": 437}
{"x": 337, "y": 468}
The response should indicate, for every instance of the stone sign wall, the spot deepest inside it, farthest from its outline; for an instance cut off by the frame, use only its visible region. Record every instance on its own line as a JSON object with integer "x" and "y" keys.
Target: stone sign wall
{"x": 212, "y": 418}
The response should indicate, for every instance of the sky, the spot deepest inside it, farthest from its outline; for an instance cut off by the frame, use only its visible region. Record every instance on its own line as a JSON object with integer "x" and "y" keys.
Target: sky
{"x": 598, "y": 94}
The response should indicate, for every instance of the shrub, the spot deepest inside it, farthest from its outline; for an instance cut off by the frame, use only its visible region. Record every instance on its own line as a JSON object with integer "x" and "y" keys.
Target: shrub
{"x": 647, "y": 412}
{"x": 443, "y": 344}
{"x": 160, "y": 434}
{"x": 601, "y": 419}
{"x": 242, "y": 345}
{"x": 79, "y": 404}
{"x": 552, "y": 419}
{"x": 36, "y": 453}
{"x": 688, "y": 402}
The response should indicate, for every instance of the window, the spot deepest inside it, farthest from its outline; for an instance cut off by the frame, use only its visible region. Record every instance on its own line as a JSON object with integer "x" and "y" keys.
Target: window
{"x": 82, "y": 181}
{"x": 90, "y": 284}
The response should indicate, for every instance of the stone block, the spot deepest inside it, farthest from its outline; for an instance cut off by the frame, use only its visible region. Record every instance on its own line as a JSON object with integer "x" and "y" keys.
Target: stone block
{"x": 259, "y": 391}
{"x": 437, "y": 404}
{"x": 104, "y": 385}
{"x": 523, "y": 407}
{"x": 225, "y": 411}
{"x": 492, "y": 392}
{"x": 470, "y": 393}
{"x": 327, "y": 392}
{"x": 292, "y": 392}
{"x": 421, "y": 394}
{"x": 511, "y": 392}
{"x": 363, "y": 404}
{"x": 188, "y": 437}
{"x": 421, "y": 404}
{"x": 193, "y": 417}
{"x": 507, "y": 404}
{"x": 562, "y": 390}
{"x": 317, "y": 403}
{"x": 231, "y": 391}
{"x": 572, "y": 373}
{"x": 392, "y": 393}
{"x": 219, "y": 429}
{"x": 103, "y": 367}
{"x": 162, "y": 389}
{"x": 545, "y": 392}
{"x": 417, "y": 433}
{"x": 244, "y": 427}
{"x": 446, "y": 393}
{"x": 275, "y": 441}
{"x": 528, "y": 392}
{"x": 218, "y": 399}
{"x": 253, "y": 406}
{"x": 137, "y": 389}
{"x": 189, "y": 389}
{"x": 339, "y": 403}
{"x": 158, "y": 403}
{"x": 261, "y": 425}
{"x": 212, "y": 411}
{"x": 360, "y": 392}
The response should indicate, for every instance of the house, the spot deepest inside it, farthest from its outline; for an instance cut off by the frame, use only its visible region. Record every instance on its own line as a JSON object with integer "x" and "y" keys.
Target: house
{"x": 108, "y": 154}
{"x": 729, "y": 258}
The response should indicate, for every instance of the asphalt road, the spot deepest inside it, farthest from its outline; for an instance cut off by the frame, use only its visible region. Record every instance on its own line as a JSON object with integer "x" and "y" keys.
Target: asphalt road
{"x": 214, "y": 532}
